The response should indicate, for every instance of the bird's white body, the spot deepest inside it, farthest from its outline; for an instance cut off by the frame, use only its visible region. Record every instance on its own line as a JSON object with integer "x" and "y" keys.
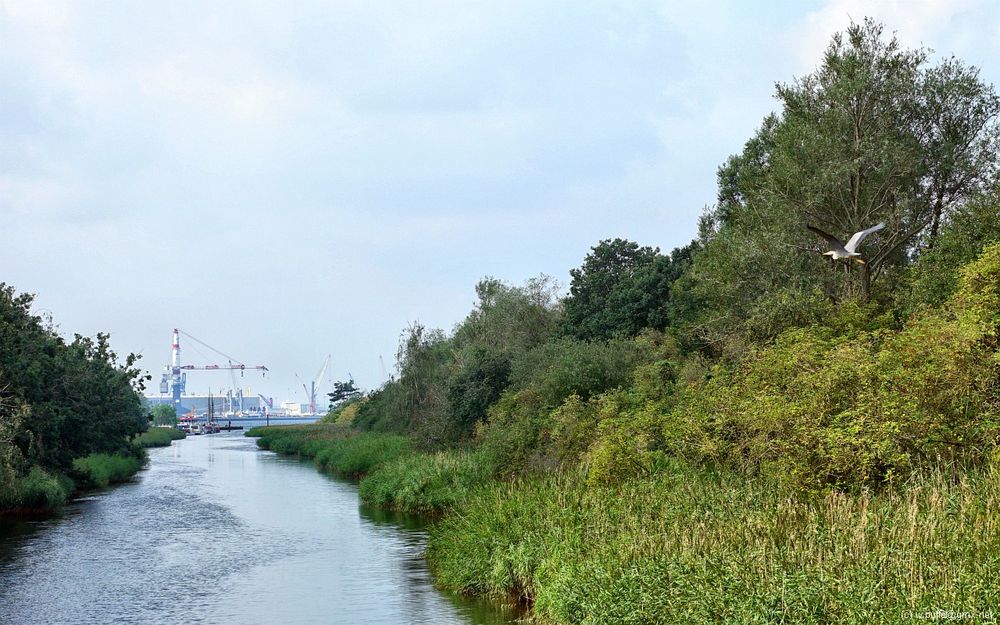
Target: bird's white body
{"x": 847, "y": 250}
{"x": 837, "y": 254}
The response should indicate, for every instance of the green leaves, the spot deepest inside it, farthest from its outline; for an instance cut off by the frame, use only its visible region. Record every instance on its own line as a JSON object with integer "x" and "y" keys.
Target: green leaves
{"x": 621, "y": 289}
{"x": 73, "y": 399}
{"x": 164, "y": 414}
{"x": 875, "y": 134}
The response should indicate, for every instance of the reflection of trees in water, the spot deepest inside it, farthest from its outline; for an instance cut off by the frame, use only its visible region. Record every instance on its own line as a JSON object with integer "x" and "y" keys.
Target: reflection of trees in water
{"x": 407, "y": 533}
{"x": 391, "y": 518}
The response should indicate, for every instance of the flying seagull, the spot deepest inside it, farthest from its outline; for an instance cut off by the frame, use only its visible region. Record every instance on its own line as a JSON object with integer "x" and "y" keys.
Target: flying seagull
{"x": 838, "y": 250}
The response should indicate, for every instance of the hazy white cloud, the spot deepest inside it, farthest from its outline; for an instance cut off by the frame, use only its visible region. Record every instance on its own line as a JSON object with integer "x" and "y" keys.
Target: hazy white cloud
{"x": 289, "y": 180}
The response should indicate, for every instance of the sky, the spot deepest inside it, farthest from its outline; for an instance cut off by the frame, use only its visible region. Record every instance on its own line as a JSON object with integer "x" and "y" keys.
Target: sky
{"x": 287, "y": 180}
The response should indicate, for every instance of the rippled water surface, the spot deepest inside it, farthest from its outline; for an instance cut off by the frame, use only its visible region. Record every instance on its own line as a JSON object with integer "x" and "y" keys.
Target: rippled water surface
{"x": 216, "y": 531}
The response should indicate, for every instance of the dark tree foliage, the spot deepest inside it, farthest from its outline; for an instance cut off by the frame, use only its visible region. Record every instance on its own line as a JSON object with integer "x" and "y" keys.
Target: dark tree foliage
{"x": 383, "y": 410}
{"x": 446, "y": 383}
{"x": 343, "y": 391}
{"x": 620, "y": 289}
{"x": 76, "y": 397}
{"x": 476, "y": 387}
{"x": 963, "y": 236}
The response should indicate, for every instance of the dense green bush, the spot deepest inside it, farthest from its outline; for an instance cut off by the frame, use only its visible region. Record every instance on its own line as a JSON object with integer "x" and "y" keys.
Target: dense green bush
{"x": 38, "y": 490}
{"x": 476, "y": 386}
{"x": 384, "y": 410}
{"x": 933, "y": 280}
{"x": 164, "y": 414}
{"x": 566, "y": 366}
{"x": 823, "y": 408}
{"x": 514, "y": 438}
{"x": 344, "y": 413}
{"x": 569, "y": 391}
{"x": 102, "y": 470}
{"x": 158, "y": 437}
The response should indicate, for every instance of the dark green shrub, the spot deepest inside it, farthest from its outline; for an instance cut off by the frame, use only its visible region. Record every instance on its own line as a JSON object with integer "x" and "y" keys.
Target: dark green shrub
{"x": 935, "y": 276}
{"x": 513, "y": 439}
{"x": 566, "y": 366}
{"x": 825, "y": 409}
{"x": 38, "y": 490}
{"x": 476, "y": 387}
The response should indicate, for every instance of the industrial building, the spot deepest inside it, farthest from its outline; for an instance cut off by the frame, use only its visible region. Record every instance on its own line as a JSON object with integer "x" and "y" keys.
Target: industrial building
{"x": 252, "y": 405}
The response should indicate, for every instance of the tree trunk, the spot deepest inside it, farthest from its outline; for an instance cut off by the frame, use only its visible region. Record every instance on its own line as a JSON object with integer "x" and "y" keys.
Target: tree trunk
{"x": 935, "y": 219}
{"x": 866, "y": 280}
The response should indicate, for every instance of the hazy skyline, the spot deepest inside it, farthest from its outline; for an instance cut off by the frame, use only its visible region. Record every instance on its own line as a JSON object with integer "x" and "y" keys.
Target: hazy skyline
{"x": 291, "y": 180}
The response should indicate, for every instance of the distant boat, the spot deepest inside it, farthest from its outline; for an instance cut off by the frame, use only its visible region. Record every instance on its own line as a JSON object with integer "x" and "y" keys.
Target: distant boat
{"x": 210, "y": 426}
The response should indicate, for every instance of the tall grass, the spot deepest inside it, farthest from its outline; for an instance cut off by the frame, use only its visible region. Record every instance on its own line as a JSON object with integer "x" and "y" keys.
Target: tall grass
{"x": 158, "y": 437}
{"x": 36, "y": 491}
{"x": 42, "y": 492}
{"x": 425, "y": 482}
{"x": 334, "y": 447}
{"x": 358, "y": 455}
{"x": 392, "y": 474}
{"x": 102, "y": 470}
{"x": 695, "y": 547}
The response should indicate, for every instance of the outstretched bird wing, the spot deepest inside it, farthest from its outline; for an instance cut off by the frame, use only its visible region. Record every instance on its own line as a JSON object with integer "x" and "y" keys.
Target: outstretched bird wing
{"x": 835, "y": 244}
{"x": 858, "y": 237}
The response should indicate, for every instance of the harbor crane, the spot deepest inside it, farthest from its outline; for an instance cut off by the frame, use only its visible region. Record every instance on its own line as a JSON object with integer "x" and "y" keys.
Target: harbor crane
{"x": 313, "y": 387}
{"x": 175, "y": 376}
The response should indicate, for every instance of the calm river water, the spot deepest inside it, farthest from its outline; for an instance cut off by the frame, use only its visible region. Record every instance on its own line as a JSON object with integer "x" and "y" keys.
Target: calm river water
{"x": 217, "y": 532}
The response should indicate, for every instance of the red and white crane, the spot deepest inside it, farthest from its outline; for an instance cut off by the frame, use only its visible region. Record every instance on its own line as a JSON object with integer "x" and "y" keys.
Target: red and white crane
{"x": 176, "y": 380}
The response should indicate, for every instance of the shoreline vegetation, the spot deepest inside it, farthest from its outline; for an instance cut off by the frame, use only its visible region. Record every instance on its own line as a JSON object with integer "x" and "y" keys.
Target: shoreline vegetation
{"x": 741, "y": 430}
{"x": 72, "y": 416}
{"x": 41, "y": 493}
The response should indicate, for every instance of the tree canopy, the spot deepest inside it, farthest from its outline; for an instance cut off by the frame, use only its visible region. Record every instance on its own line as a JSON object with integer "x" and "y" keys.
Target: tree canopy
{"x": 620, "y": 289}
{"x": 61, "y": 400}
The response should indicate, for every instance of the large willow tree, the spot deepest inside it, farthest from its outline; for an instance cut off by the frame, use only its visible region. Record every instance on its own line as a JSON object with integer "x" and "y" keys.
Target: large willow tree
{"x": 875, "y": 134}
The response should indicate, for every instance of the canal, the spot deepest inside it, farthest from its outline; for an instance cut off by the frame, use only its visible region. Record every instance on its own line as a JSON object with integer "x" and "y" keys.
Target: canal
{"x": 216, "y": 531}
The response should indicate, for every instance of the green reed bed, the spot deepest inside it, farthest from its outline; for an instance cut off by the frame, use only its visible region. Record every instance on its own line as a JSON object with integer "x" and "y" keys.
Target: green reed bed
{"x": 425, "y": 482}
{"x": 692, "y": 547}
{"x": 102, "y": 470}
{"x": 334, "y": 447}
{"x": 392, "y": 474}
{"x": 158, "y": 437}
{"x": 42, "y": 492}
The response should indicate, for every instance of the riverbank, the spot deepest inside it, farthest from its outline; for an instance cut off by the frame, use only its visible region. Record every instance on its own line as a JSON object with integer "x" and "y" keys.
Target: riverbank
{"x": 43, "y": 492}
{"x": 691, "y": 547}
{"x": 391, "y": 473}
{"x": 684, "y": 546}
{"x": 69, "y": 411}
